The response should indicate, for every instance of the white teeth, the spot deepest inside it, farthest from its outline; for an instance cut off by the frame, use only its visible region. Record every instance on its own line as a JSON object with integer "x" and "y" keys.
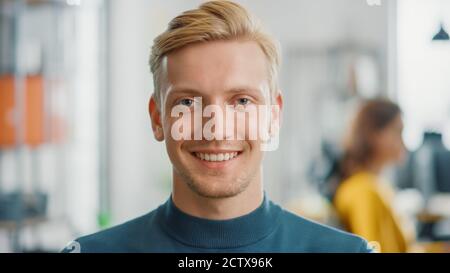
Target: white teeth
{"x": 216, "y": 157}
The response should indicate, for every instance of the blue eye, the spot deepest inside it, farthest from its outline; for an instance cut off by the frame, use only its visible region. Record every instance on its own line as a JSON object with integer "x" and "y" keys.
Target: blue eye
{"x": 186, "y": 102}
{"x": 243, "y": 101}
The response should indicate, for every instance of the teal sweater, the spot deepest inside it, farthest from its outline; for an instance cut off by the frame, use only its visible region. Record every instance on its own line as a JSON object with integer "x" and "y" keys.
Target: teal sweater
{"x": 269, "y": 228}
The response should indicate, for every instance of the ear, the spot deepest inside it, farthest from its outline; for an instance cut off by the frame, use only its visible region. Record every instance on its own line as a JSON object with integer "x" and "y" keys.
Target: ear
{"x": 276, "y": 113}
{"x": 155, "y": 116}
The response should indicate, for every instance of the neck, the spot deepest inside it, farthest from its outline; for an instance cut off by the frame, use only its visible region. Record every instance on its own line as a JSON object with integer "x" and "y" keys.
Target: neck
{"x": 225, "y": 208}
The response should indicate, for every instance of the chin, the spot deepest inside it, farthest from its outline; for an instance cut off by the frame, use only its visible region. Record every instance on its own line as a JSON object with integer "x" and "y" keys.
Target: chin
{"x": 217, "y": 187}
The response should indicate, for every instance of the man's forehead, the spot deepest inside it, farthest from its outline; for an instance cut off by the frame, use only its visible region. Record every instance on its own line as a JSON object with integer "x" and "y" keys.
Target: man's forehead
{"x": 218, "y": 51}
{"x": 217, "y": 59}
{"x": 216, "y": 68}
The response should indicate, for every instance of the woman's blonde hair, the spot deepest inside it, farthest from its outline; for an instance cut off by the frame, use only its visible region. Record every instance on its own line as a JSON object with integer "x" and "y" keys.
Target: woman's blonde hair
{"x": 212, "y": 21}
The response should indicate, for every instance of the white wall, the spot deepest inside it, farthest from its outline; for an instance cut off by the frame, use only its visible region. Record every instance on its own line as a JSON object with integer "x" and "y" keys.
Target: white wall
{"x": 423, "y": 68}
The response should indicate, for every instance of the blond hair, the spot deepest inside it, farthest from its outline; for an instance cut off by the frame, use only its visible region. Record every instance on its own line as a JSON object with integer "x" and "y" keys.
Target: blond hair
{"x": 212, "y": 21}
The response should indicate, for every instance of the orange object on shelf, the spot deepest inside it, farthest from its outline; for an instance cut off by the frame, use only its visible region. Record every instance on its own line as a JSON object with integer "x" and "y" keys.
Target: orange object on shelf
{"x": 33, "y": 115}
{"x": 7, "y": 132}
{"x": 34, "y": 110}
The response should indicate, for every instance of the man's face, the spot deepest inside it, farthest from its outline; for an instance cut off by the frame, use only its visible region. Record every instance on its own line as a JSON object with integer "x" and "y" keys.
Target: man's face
{"x": 226, "y": 74}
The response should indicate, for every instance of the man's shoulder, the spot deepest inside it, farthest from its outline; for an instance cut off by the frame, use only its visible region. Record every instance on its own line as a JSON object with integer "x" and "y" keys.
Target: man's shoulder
{"x": 119, "y": 238}
{"x": 318, "y": 237}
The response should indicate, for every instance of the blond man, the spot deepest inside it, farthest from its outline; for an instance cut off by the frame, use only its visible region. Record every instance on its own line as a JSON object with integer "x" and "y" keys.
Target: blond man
{"x": 217, "y": 55}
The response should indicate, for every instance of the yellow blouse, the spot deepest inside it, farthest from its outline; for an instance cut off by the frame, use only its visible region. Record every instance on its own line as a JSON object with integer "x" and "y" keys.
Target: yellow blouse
{"x": 363, "y": 203}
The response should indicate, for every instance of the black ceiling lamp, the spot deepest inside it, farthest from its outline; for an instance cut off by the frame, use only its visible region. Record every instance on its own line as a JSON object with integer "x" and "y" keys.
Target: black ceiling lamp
{"x": 442, "y": 35}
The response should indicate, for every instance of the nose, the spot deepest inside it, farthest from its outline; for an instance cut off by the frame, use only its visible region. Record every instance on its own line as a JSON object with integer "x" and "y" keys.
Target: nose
{"x": 218, "y": 122}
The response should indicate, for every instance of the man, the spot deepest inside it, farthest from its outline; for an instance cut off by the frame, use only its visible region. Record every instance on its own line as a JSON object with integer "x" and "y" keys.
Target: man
{"x": 217, "y": 57}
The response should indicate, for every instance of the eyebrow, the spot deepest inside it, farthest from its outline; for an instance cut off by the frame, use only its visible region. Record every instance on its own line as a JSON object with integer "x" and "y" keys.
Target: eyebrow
{"x": 182, "y": 90}
{"x": 245, "y": 89}
{"x": 192, "y": 91}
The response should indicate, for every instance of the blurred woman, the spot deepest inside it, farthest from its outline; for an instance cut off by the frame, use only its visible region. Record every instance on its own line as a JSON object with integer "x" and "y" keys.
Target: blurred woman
{"x": 362, "y": 200}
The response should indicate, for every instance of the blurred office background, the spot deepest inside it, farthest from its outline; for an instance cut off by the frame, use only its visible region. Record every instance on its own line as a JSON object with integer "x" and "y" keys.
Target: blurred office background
{"x": 76, "y": 149}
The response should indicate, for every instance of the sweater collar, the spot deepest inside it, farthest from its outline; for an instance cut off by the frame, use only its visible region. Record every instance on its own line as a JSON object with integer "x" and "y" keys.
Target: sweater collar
{"x": 231, "y": 233}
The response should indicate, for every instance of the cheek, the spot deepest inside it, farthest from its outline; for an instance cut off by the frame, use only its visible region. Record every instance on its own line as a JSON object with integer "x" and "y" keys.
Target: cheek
{"x": 172, "y": 148}
{"x": 254, "y": 149}
{"x": 252, "y": 127}
{"x": 384, "y": 146}
{"x": 401, "y": 152}
{"x": 396, "y": 149}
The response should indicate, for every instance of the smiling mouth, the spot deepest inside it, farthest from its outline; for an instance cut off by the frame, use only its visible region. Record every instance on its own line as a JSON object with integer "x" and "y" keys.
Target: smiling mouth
{"x": 216, "y": 157}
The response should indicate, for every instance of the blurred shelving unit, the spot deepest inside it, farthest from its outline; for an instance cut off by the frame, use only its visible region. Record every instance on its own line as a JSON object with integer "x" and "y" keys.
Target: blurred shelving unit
{"x": 53, "y": 54}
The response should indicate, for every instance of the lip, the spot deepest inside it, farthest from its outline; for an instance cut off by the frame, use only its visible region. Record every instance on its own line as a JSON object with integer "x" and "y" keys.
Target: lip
{"x": 216, "y": 164}
{"x": 214, "y": 151}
